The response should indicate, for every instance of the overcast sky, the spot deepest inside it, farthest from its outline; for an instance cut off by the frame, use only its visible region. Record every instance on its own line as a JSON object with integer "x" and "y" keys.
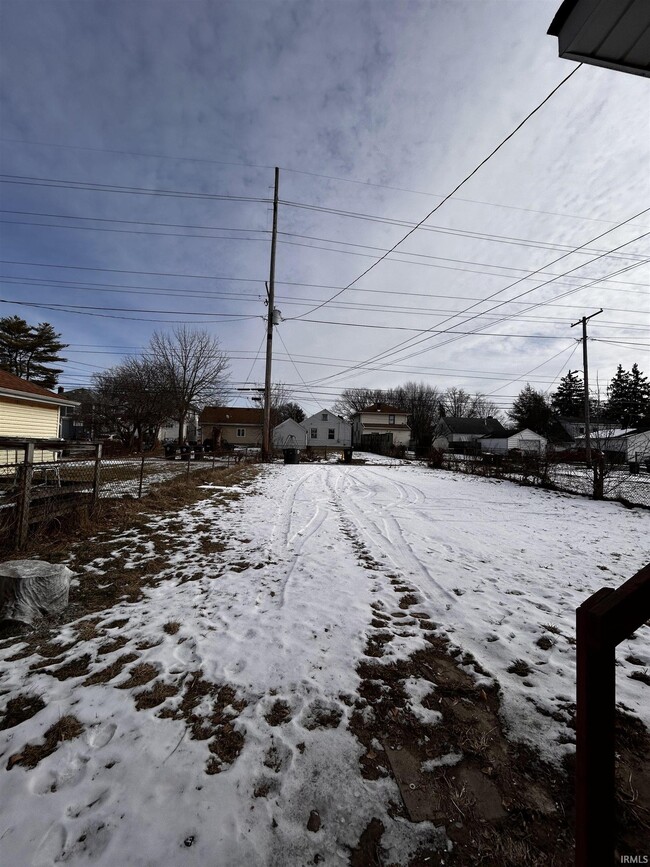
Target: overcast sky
{"x": 376, "y": 109}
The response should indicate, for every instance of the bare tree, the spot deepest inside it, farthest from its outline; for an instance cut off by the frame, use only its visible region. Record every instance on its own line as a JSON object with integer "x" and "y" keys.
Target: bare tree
{"x": 355, "y": 399}
{"x": 133, "y": 399}
{"x": 422, "y": 403}
{"x": 459, "y": 403}
{"x": 194, "y": 367}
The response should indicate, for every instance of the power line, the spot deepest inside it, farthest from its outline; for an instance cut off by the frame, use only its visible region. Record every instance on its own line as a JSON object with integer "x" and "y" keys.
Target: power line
{"x": 128, "y": 271}
{"x": 410, "y": 341}
{"x": 455, "y": 190}
{"x": 56, "y": 183}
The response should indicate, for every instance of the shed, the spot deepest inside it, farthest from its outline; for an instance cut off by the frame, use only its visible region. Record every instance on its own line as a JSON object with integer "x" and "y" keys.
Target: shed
{"x": 525, "y": 440}
{"x": 289, "y": 435}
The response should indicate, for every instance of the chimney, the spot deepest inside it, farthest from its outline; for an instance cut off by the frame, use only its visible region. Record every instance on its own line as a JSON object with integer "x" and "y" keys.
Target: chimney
{"x": 59, "y": 390}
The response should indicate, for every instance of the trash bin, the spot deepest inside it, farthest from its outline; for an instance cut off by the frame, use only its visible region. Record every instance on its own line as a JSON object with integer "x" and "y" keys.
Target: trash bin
{"x": 290, "y": 456}
{"x": 347, "y": 456}
{"x": 634, "y": 467}
{"x": 170, "y": 451}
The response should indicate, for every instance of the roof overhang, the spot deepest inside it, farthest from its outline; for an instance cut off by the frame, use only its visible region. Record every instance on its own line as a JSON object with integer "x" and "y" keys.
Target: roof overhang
{"x": 36, "y": 398}
{"x": 610, "y": 33}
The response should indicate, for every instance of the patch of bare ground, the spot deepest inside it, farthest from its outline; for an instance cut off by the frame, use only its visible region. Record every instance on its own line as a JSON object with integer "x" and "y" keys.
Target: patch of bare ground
{"x": 19, "y": 709}
{"x": 159, "y": 692}
{"x": 215, "y": 725}
{"x": 499, "y": 802}
{"x": 112, "y": 646}
{"x": 65, "y": 729}
{"x": 279, "y": 714}
{"x": 632, "y": 784}
{"x": 171, "y": 627}
{"x": 111, "y": 670}
{"x": 139, "y": 675}
{"x": 75, "y": 668}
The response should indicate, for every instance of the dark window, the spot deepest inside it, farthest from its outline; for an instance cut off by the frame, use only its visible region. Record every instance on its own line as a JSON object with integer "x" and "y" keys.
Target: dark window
{"x": 324, "y": 416}
{"x": 241, "y": 431}
{"x": 314, "y": 433}
{"x": 330, "y": 433}
{"x": 391, "y": 419}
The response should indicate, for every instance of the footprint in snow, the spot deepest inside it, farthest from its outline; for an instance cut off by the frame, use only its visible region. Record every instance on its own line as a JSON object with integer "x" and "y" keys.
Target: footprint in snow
{"x": 99, "y": 735}
{"x": 51, "y": 847}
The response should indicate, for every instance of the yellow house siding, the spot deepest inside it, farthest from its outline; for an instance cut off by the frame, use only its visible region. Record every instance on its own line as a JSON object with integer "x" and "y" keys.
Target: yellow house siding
{"x": 28, "y": 420}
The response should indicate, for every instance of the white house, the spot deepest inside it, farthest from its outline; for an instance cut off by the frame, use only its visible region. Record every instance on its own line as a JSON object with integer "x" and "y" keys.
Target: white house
{"x": 379, "y": 419}
{"x": 326, "y": 430}
{"x": 169, "y": 431}
{"x": 525, "y": 440}
{"x": 289, "y": 435}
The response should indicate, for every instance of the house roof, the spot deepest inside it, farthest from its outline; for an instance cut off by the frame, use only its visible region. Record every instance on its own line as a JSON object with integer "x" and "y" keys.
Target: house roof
{"x": 510, "y": 433}
{"x": 604, "y": 32}
{"x": 479, "y": 426}
{"x": 382, "y": 407}
{"x": 14, "y": 386}
{"x": 217, "y": 415}
{"x": 316, "y": 416}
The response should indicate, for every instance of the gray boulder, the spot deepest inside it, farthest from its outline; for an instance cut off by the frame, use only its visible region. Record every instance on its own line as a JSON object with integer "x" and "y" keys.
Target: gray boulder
{"x": 32, "y": 589}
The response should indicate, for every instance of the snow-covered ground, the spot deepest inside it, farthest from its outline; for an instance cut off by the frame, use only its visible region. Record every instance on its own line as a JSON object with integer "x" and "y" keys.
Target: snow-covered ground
{"x": 269, "y": 597}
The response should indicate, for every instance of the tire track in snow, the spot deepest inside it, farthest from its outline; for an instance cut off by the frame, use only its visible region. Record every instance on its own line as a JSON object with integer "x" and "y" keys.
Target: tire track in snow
{"x": 390, "y": 540}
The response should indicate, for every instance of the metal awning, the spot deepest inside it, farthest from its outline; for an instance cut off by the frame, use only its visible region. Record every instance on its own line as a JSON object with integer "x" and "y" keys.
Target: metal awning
{"x": 610, "y": 33}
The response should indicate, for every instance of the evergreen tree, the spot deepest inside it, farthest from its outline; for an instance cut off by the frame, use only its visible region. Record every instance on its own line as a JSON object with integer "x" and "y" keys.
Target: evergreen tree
{"x": 569, "y": 399}
{"x": 532, "y": 410}
{"x": 628, "y": 400}
{"x": 28, "y": 350}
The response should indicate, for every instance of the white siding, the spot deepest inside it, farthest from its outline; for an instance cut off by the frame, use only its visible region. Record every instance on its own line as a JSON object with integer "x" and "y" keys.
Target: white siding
{"x": 322, "y": 426}
{"x": 289, "y": 435}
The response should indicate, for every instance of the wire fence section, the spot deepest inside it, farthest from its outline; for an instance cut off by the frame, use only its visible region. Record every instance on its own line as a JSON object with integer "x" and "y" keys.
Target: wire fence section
{"x": 627, "y": 482}
{"x": 43, "y": 480}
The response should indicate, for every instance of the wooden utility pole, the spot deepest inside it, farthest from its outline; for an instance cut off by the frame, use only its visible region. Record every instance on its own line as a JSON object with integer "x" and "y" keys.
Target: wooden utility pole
{"x": 270, "y": 292}
{"x": 585, "y": 376}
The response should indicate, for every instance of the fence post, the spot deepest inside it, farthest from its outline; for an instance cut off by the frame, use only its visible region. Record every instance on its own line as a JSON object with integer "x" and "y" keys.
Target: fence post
{"x": 188, "y": 468}
{"x": 213, "y": 458}
{"x": 595, "y": 722}
{"x": 25, "y": 495}
{"x": 97, "y": 476}
{"x": 141, "y": 478}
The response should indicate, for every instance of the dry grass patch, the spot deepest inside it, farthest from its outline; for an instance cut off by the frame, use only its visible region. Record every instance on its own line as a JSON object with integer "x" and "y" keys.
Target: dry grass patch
{"x": 139, "y": 675}
{"x": 20, "y": 709}
{"x": 75, "y": 668}
{"x": 112, "y": 646}
{"x": 67, "y": 728}
{"x": 171, "y": 627}
{"x": 111, "y": 670}
{"x": 160, "y": 691}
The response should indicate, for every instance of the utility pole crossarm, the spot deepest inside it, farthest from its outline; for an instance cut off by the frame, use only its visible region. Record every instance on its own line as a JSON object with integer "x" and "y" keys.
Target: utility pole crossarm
{"x": 585, "y": 367}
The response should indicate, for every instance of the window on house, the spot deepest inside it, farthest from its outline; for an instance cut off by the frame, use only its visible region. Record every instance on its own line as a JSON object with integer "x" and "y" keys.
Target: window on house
{"x": 391, "y": 419}
{"x": 323, "y": 416}
{"x": 314, "y": 433}
{"x": 330, "y": 433}
{"x": 241, "y": 431}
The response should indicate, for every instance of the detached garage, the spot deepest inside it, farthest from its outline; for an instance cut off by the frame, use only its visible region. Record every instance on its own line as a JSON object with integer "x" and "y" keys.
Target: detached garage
{"x": 525, "y": 440}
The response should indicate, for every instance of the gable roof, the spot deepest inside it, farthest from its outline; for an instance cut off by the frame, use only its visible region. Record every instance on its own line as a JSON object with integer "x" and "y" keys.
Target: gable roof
{"x": 382, "y": 407}
{"x": 217, "y": 415}
{"x": 479, "y": 426}
{"x": 320, "y": 413}
{"x": 506, "y": 434}
{"x": 14, "y": 386}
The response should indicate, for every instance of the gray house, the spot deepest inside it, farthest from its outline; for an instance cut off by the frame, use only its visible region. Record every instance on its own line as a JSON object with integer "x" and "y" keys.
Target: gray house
{"x": 289, "y": 434}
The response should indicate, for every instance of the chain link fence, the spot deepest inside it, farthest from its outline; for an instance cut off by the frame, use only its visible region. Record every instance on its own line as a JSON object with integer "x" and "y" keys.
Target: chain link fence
{"x": 43, "y": 480}
{"x": 628, "y": 483}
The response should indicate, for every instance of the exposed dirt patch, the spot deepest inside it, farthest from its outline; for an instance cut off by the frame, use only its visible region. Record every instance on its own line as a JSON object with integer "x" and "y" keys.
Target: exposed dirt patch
{"x": 171, "y": 627}
{"x": 499, "y": 803}
{"x": 280, "y": 713}
{"x": 139, "y": 675}
{"x": 369, "y": 851}
{"x": 111, "y": 670}
{"x": 216, "y": 725}
{"x": 75, "y": 668}
{"x": 407, "y": 600}
{"x": 65, "y": 729}
{"x": 20, "y": 709}
{"x": 321, "y": 716}
{"x": 160, "y": 691}
{"x": 112, "y": 646}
